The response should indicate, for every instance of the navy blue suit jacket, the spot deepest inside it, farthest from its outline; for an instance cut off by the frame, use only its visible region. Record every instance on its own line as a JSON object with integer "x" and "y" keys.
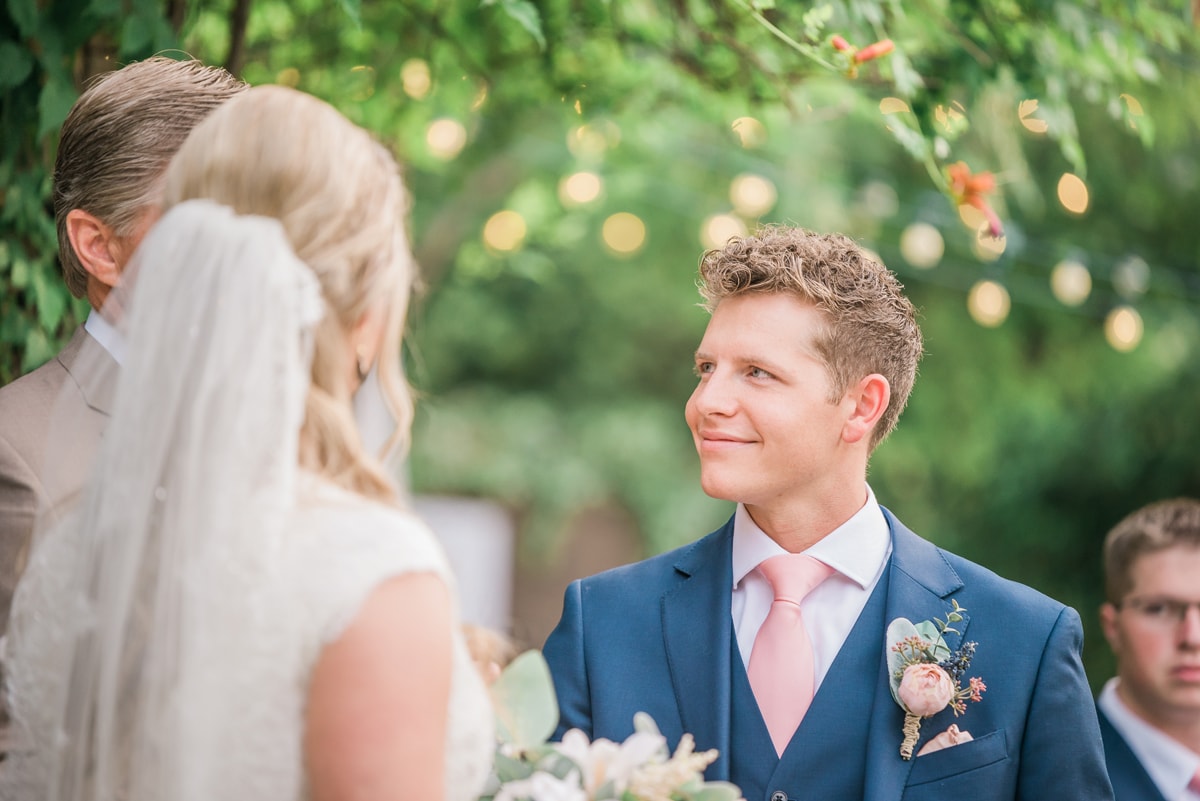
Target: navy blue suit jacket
{"x": 1130, "y": 780}
{"x": 656, "y": 636}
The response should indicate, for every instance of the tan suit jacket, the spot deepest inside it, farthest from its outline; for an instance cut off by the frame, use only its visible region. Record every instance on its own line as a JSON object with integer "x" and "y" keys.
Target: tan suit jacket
{"x": 40, "y": 467}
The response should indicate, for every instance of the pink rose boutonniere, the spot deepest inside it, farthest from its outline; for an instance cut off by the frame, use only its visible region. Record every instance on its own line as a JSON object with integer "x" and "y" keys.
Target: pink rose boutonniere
{"x": 926, "y": 675}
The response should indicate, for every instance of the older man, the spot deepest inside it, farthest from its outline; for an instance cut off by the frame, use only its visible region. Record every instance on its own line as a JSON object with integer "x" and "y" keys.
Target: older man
{"x": 115, "y": 144}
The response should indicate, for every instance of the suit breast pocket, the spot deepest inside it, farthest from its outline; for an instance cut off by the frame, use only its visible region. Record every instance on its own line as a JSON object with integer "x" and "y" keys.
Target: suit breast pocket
{"x": 957, "y": 760}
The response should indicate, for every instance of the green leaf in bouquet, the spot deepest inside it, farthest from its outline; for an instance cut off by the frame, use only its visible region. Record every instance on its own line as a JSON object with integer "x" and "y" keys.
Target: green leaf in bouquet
{"x": 523, "y": 696}
{"x": 715, "y": 791}
{"x": 899, "y": 630}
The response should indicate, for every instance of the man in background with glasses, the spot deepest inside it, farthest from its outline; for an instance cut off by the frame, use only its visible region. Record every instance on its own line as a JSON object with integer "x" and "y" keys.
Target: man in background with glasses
{"x": 1150, "y": 713}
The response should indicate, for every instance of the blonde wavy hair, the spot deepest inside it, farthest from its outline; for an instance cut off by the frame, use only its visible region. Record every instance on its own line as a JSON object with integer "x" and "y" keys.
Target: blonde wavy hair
{"x": 280, "y": 153}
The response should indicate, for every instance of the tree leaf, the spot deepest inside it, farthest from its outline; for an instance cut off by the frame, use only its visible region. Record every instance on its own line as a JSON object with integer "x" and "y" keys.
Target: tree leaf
{"x": 56, "y": 99}
{"x": 526, "y": 15}
{"x": 51, "y": 300}
{"x": 24, "y": 13}
{"x": 15, "y": 65}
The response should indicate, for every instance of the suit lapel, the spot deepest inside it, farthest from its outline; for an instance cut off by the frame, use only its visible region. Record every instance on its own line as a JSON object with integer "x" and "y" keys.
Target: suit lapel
{"x": 920, "y": 580}
{"x": 697, "y": 629}
{"x": 90, "y": 367}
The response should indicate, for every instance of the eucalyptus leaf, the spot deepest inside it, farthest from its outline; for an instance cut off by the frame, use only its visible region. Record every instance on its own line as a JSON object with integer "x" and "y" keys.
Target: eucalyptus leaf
{"x": 716, "y": 791}
{"x": 526, "y": 707}
{"x": 898, "y": 630}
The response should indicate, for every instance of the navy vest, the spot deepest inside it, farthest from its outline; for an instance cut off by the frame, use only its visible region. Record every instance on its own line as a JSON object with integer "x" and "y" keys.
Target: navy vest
{"x": 826, "y": 759}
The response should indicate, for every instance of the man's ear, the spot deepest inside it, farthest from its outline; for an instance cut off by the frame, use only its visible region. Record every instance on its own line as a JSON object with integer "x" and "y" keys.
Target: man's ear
{"x": 96, "y": 244}
{"x": 1108, "y": 623}
{"x": 870, "y": 397}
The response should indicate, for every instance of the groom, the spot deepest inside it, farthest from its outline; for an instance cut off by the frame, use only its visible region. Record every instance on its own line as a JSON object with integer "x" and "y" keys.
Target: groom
{"x": 766, "y": 639}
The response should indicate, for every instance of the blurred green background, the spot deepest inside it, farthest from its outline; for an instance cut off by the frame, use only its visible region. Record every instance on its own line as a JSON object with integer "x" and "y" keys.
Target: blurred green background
{"x": 571, "y": 159}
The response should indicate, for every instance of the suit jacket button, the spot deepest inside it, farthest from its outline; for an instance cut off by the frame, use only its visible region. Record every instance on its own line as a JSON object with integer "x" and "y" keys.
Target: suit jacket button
{"x": 779, "y": 795}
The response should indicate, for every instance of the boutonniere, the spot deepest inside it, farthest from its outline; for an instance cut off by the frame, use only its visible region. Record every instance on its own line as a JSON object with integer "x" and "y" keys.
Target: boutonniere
{"x": 925, "y": 675}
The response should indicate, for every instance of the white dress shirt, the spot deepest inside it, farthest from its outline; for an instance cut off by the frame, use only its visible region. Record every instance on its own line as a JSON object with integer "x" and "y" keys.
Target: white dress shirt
{"x": 1170, "y": 763}
{"x": 106, "y": 334}
{"x": 857, "y": 550}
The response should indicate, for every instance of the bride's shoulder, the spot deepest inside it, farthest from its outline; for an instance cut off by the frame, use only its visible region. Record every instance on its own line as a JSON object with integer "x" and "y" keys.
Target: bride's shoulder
{"x": 328, "y": 517}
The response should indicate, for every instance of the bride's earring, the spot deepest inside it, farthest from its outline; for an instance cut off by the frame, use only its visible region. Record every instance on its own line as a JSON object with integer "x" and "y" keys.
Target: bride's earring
{"x": 361, "y": 364}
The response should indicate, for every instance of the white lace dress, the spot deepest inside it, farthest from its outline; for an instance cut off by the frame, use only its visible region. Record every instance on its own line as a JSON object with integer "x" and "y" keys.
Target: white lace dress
{"x": 337, "y": 549}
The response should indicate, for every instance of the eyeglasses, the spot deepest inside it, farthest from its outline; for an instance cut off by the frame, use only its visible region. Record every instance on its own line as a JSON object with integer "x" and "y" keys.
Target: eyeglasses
{"x": 1160, "y": 611}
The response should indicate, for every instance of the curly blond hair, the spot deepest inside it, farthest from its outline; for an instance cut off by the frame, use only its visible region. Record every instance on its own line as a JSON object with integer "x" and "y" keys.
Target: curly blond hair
{"x": 871, "y": 327}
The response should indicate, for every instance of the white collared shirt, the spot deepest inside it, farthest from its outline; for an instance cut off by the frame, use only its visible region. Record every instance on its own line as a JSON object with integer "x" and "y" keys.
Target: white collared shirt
{"x": 1170, "y": 763}
{"x": 857, "y": 550}
{"x": 106, "y": 334}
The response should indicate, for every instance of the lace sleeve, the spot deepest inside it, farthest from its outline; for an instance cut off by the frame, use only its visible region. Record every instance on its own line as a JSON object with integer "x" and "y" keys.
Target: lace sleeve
{"x": 345, "y": 552}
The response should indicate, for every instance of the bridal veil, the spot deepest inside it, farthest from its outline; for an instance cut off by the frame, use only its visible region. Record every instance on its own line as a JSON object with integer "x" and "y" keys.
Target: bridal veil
{"x": 150, "y": 598}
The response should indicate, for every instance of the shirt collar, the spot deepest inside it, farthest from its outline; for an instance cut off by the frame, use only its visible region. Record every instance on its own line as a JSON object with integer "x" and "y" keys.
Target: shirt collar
{"x": 857, "y": 549}
{"x": 106, "y": 334}
{"x": 1170, "y": 763}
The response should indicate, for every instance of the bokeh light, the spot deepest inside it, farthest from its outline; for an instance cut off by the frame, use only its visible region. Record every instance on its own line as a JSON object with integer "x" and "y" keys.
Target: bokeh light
{"x": 750, "y": 131}
{"x": 504, "y": 231}
{"x": 580, "y": 188}
{"x": 624, "y": 233}
{"x": 1071, "y": 282}
{"x": 362, "y": 83}
{"x": 1025, "y": 111}
{"x": 922, "y": 246}
{"x": 718, "y": 229}
{"x": 892, "y": 105}
{"x": 752, "y": 195}
{"x": 1133, "y": 104}
{"x": 288, "y": 76}
{"x": 587, "y": 142}
{"x": 989, "y": 303}
{"x": 1073, "y": 193}
{"x": 971, "y": 217}
{"x": 1131, "y": 278}
{"x": 1123, "y": 328}
{"x": 445, "y": 138}
{"x": 415, "y": 78}
{"x": 987, "y": 247}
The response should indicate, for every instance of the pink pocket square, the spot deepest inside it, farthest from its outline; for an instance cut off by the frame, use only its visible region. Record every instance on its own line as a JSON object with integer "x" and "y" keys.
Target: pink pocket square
{"x": 950, "y": 737}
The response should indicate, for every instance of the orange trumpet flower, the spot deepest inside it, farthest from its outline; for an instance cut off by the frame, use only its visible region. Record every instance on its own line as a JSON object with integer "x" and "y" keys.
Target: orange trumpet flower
{"x": 969, "y": 189}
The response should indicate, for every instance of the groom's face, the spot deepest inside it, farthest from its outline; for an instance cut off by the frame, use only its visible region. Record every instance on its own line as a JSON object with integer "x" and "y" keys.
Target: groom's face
{"x": 1155, "y": 634}
{"x": 764, "y": 426}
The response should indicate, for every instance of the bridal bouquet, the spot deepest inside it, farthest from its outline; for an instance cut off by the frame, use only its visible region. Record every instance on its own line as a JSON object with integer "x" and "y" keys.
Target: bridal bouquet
{"x": 529, "y": 768}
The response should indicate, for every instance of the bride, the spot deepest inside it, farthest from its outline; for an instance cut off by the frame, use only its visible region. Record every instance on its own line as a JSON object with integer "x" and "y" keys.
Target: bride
{"x": 240, "y": 607}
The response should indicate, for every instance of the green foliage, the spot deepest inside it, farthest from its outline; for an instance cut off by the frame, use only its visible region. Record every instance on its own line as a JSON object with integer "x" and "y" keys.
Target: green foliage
{"x": 39, "y": 47}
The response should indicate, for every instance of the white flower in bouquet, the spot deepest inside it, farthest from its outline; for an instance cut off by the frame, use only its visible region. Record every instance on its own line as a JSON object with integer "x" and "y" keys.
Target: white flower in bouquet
{"x": 529, "y": 768}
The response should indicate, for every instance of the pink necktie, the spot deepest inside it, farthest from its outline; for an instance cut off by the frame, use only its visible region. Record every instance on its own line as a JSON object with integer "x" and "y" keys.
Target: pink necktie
{"x": 781, "y": 662}
{"x": 1194, "y": 784}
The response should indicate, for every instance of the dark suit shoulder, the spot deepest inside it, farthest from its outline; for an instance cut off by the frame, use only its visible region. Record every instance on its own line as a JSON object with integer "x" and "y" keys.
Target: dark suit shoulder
{"x": 1129, "y": 778}
{"x": 1021, "y": 596}
{"x": 649, "y": 574}
{"x": 972, "y": 584}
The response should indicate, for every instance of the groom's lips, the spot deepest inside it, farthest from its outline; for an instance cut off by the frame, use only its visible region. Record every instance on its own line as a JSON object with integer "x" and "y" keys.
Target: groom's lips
{"x": 718, "y": 440}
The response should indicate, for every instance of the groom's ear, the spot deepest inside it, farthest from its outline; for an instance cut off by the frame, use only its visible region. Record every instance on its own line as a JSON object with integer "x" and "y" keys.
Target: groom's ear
{"x": 96, "y": 245}
{"x": 866, "y": 401}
